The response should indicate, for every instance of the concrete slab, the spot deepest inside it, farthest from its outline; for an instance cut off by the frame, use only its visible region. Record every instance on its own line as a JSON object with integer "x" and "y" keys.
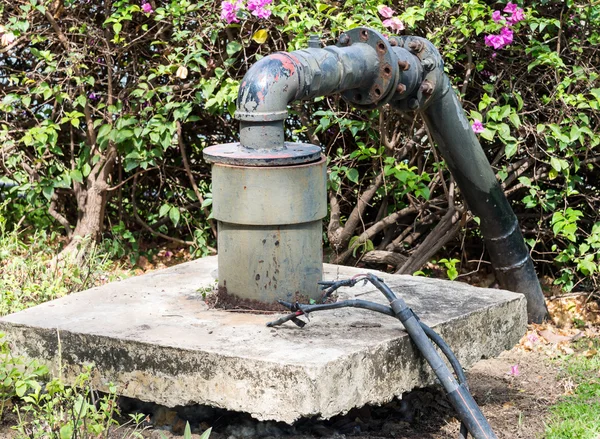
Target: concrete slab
{"x": 157, "y": 340}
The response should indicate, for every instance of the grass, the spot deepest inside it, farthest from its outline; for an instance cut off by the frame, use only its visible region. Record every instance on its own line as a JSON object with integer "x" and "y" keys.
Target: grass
{"x": 28, "y": 278}
{"x": 577, "y": 415}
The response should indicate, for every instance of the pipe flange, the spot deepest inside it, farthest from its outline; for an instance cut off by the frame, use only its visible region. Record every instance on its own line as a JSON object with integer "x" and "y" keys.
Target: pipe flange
{"x": 238, "y": 155}
{"x": 383, "y": 87}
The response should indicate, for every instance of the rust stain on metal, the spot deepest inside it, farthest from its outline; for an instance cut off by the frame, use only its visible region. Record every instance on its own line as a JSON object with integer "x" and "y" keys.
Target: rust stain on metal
{"x": 288, "y": 62}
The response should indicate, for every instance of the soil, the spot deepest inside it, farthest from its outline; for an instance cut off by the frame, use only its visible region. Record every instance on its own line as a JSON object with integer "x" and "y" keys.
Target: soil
{"x": 515, "y": 405}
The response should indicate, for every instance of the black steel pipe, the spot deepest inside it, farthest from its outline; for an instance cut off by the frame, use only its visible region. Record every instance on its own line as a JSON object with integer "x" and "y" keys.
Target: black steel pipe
{"x": 422, "y": 336}
{"x": 460, "y": 148}
{"x": 370, "y": 70}
{"x": 469, "y": 166}
{"x": 278, "y": 79}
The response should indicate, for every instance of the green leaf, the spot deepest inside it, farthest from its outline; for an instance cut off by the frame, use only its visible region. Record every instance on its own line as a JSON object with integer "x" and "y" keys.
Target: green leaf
{"x": 20, "y": 388}
{"x": 164, "y": 209}
{"x": 515, "y": 120}
{"x": 76, "y": 175}
{"x": 206, "y": 434}
{"x": 104, "y": 131}
{"x": 510, "y": 149}
{"x": 48, "y": 191}
{"x": 187, "y": 433}
{"x": 556, "y": 164}
{"x": 117, "y": 28}
{"x": 352, "y": 175}
{"x": 66, "y": 431}
{"x": 233, "y": 48}
{"x": 86, "y": 169}
{"x": 122, "y": 135}
{"x": 174, "y": 215}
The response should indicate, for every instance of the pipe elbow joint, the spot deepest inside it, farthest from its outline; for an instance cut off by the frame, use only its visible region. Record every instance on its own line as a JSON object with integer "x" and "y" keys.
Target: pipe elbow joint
{"x": 267, "y": 88}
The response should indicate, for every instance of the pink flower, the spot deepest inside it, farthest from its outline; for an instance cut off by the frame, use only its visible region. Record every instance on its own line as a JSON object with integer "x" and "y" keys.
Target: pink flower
{"x": 516, "y": 16}
{"x": 261, "y": 13}
{"x": 499, "y": 41}
{"x": 477, "y": 126}
{"x": 385, "y": 11}
{"x": 147, "y": 8}
{"x": 497, "y": 16}
{"x": 532, "y": 337}
{"x": 257, "y": 4}
{"x": 258, "y": 8}
{"x": 394, "y": 23}
{"x": 495, "y": 41}
{"x": 229, "y": 11}
{"x": 511, "y": 7}
{"x": 507, "y": 35}
{"x": 514, "y": 370}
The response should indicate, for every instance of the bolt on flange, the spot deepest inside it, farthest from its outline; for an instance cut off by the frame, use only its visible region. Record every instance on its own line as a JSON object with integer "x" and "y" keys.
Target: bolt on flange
{"x": 427, "y": 87}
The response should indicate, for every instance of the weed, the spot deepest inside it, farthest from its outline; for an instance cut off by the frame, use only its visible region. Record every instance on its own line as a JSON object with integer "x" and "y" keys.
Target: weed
{"x": 27, "y": 277}
{"x": 576, "y": 415}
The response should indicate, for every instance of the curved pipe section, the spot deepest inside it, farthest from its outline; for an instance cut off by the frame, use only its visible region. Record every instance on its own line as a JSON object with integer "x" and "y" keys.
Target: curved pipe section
{"x": 278, "y": 79}
{"x": 364, "y": 70}
{"x": 466, "y": 160}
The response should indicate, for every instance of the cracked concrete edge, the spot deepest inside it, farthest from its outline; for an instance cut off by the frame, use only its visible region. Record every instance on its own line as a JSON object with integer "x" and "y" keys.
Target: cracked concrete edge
{"x": 270, "y": 390}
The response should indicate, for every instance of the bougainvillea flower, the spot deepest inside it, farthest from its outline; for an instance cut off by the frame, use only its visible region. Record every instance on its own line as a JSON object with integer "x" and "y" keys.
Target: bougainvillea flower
{"x": 229, "y": 11}
{"x": 257, "y": 7}
{"x": 262, "y": 12}
{"x": 181, "y": 72}
{"x": 394, "y": 23}
{"x": 385, "y": 11}
{"x": 514, "y": 370}
{"x": 495, "y": 41}
{"x": 511, "y": 7}
{"x": 516, "y": 16}
{"x": 8, "y": 38}
{"x": 257, "y": 4}
{"x": 93, "y": 96}
{"x": 477, "y": 126}
{"x": 507, "y": 35}
{"x": 147, "y": 8}
{"x": 497, "y": 16}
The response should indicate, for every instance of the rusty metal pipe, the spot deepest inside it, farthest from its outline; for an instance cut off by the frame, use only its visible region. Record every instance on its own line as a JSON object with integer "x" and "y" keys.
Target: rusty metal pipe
{"x": 278, "y": 79}
{"x": 369, "y": 71}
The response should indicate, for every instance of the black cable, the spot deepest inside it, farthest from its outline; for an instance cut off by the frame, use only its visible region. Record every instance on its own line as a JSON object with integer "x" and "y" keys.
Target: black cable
{"x": 458, "y": 370}
{"x": 460, "y": 397}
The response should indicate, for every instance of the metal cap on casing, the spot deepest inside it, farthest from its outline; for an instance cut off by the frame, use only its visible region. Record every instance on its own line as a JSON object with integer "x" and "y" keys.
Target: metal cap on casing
{"x": 236, "y": 154}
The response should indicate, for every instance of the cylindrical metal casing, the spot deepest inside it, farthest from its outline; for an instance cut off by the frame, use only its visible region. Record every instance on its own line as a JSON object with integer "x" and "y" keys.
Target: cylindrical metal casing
{"x": 270, "y": 229}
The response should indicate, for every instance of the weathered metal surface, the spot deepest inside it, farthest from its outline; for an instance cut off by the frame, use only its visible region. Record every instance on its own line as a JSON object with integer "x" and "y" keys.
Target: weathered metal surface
{"x": 270, "y": 229}
{"x": 469, "y": 166}
{"x": 267, "y": 263}
{"x": 236, "y": 154}
{"x": 278, "y": 79}
{"x": 269, "y": 195}
{"x": 382, "y": 87}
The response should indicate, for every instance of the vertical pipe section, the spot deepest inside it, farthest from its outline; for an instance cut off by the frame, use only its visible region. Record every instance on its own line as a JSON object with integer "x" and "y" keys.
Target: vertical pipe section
{"x": 270, "y": 230}
{"x": 468, "y": 164}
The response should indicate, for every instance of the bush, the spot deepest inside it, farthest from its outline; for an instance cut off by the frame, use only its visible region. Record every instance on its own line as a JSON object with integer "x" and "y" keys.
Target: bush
{"x": 109, "y": 104}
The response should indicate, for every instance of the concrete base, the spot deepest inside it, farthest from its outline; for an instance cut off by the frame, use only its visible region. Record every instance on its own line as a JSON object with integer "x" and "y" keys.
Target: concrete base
{"x": 157, "y": 340}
